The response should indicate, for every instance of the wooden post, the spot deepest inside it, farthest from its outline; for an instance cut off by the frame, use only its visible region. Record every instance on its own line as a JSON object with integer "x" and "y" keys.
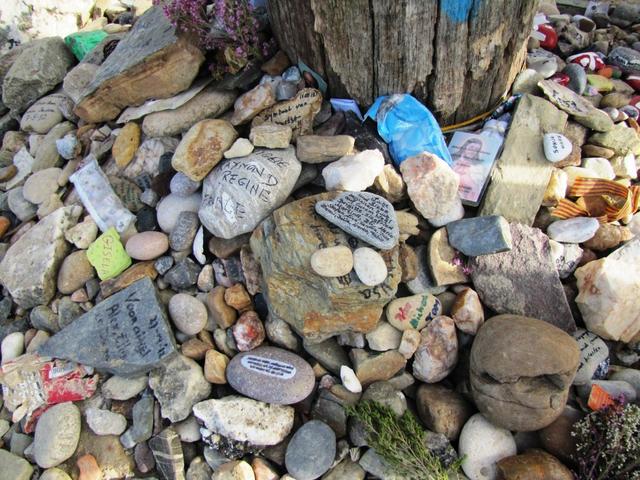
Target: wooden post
{"x": 458, "y": 56}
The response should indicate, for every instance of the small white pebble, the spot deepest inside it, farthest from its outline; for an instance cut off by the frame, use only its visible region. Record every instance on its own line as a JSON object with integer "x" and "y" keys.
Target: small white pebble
{"x": 350, "y": 380}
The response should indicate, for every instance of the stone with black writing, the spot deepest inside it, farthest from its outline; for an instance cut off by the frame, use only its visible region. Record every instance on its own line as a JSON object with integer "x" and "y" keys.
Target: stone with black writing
{"x": 43, "y": 115}
{"x": 240, "y": 192}
{"x": 556, "y": 146}
{"x": 297, "y": 113}
{"x": 271, "y": 375}
{"x": 594, "y": 357}
{"x": 126, "y": 334}
{"x": 364, "y": 215}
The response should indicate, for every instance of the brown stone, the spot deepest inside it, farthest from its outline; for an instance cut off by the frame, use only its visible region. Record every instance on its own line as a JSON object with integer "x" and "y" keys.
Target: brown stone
{"x": 5, "y": 224}
{"x": 371, "y": 368}
{"x": 126, "y": 144}
{"x": 444, "y": 269}
{"x": 556, "y": 438}
{"x": 319, "y": 149}
{"x": 215, "y": 366}
{"x": 238, "y": 298}
{"x": 533, "y": 465}
{"x": 467, "y": 311}
{"x": 297, "y": 113}
{"x": 608, "y": 236}
{"x": 225, "y": 248}
{"x": 126, "y": 278}
{"x": 220, "y": 312}
{"x": 595, "y": 151}
{"x": 195, "y": 348}
{"x": 442, "y": 410}
{"x": 74, "y": 272}
{"x": 276, "y": 64}
{"x": 408, "y": 262}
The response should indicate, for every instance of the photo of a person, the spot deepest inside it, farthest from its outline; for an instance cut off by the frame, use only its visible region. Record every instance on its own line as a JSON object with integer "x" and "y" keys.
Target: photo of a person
{"x": 473, "y": 157}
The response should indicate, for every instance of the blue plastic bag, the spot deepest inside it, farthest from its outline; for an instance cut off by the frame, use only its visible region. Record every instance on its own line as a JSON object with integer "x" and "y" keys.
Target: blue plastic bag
{"x": 408, "y": 127}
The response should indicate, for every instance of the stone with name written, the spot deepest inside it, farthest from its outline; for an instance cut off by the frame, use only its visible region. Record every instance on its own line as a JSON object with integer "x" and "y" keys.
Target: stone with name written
{"x": 413, "y": 312}
{"x": 364, "y": 215}
{"x": 241, "y": 192}
{"x": 126, "y": 334}
{"x": 297, "y": 113}
{"x": 271, "y": 375}
{"x": 108, "y": 256}
{"x": 594, "y": 357}
{"x": 43, "y": 115}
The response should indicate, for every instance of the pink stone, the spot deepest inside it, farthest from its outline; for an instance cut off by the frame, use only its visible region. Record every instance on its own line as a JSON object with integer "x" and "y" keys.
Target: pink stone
{"x": 437, "y": 354}
{"x": 248, "y": 331}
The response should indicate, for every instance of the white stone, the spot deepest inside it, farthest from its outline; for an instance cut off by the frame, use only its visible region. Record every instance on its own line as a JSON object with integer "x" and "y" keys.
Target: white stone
{"x": 188, "y": 313}
{"x": 482, "y": 445}
{"x": 593, "y": 351}
{"x": 574, "y": 172}
{"x": 172, "y": 205}
{"x": 189, "y": 430}
{"x": 384, "y": 337}
{"x": 332, "y": 261}
{"x": 354, "y": 173}
{"x": 557, "y": 147}
{"x": 240, "y": 148}
{"x": 349, "y": 379}
{"x": 601, "y": 166}
{"x": 54, "y": 474}
{"x": 634, "y": 224}
{"x": 105, "y": 422}
{"x": 456, "y": 213}
{"x": 41, "y": 185}
{"x": 246, "y": 420}
{"x": 573, "y": 230}
{"x": 625, "y": 167}
{"x": 121, "y": 388}
{"x": 57, "y": 435}
{"x": 369, "y": 266}
{"x": 83, "y": 234}
{"x": 12, "y": 346}
{"x": 608, "y": 298}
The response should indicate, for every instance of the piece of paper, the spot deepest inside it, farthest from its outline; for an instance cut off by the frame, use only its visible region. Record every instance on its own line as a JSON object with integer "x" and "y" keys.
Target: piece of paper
{"x": 108, "y": 256}
{"x": 346, "y": 105}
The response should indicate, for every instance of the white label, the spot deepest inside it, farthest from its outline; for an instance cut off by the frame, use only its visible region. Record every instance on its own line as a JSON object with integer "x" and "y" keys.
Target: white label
{"x": 269, "y": 367}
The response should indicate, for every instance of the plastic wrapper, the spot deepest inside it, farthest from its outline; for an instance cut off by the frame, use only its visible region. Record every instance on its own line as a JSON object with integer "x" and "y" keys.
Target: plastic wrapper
{"x": 81, "y": 43}
{"x": 31, "y": 384}
{"x": 99, "y": 199}
{"x": 408, "y": 127}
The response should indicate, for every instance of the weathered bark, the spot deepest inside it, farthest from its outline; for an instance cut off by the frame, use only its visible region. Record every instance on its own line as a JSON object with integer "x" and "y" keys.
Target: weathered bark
{"x": 458, "y": 56}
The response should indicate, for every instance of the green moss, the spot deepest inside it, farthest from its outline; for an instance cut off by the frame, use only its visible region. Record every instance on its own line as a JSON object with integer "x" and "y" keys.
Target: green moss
{"x": 399, "y": 440}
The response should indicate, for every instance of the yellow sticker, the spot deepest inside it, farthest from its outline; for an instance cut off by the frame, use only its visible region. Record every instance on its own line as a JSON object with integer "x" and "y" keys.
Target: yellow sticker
{"x": 108, "y": 256}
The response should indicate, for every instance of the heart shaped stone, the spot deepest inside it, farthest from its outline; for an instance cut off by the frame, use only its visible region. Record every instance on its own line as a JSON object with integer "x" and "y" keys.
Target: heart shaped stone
{"x": 364, "y": 215}
{"x": 557, "y": 147}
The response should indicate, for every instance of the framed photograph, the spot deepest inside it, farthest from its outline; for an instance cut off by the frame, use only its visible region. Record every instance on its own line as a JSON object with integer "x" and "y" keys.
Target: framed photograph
{"x": 473, "y": 157}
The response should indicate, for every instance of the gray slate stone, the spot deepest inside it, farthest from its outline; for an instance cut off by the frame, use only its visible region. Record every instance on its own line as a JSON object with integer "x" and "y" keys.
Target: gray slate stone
{"x": 330, "y": 355}
{"x": 271, "y": 375}
{"x": 142, "y": 427}
{"x": 126, "y": 334}
{"x": 183, "y": 274}
{"x": 577, "y": 77}
{"x": 364, "y": 215}
{"x": 182, "y": 235}
{"x": 40, "y": 67}
{"x": 523, "y": 281}
{"x": 626, "y": 58}
{"x": 30, "y": 266}
{"x": 480, "y": 235}
{"x": 241, "y": 192}
{"x": 311, "y": 451}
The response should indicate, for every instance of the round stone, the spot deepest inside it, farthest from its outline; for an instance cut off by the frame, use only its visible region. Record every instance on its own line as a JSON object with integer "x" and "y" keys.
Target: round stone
{"x": 557, "y": 147}
{"x": 57, "y": 435}
{"x": 271, "y": 375}
{"x": 183, "y": 186}
{"x": 105, "y": 422}
{"x": 332, "y": 261}
{"x": 482, "y": 445}
{"x": 311, "y": 451}
{"x": 413, "y": 312}
{"x": 41, "y": 185}
{"x": 147, "y": 245}
{"x": 171, "y": 206}
{"x": 573, "y": 230}
{"x": 74, "y": 272}
{"x": 248, "y": 331}
{"x": 12, "y": 346}
{"x": 369, "y": 266}
{"x": 189, "y": 314}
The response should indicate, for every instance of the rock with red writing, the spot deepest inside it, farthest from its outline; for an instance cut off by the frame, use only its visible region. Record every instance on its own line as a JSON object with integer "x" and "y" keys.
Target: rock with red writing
{"x": 550, "y": 37}
{"x": 413, "y": 312}
{"x": 240, "y": 192}
{"x": 634, "y": 82}
{"x": 297, "y": 113}
{"x": 589, "y": 60}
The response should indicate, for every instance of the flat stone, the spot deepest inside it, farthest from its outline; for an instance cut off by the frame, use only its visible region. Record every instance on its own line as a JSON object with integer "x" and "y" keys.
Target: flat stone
{"x": 126, "y": 144}
{"x": 431, "y": 184}
{"x": 183, "y": 233}
{"x": 108, "y": 256}
{"x": 297, "y": 113}
{"x": 47, "y": 156}
{"x": 413, "y": 312}
{"x": 320, "y": 149}
{"x": 240, "y": 148}
{"x": 41, "y": 185}
{"x": 369, "y": 266}
{"x": 524, "y": 280}
{"x": 577, "y": 106}
{"x": 189, "y": 314}
{"x": 372, "y": 368}
{"x": 509, "y": 389}
{"x": 147, "y": 245}
{"x": 121, "y": 388}
{"x": 126, "y": 334}
{"x": 74, "y": 272}
{"x": 171, "y": 206}
{"x": 269, "y": 135}
{"x": 22, "y": 208}
{"x": 437, "y": 354}
{"x": 202, "y": 147}
{"x": 556, "y": 146}
{"x": 16, "y": 468}
{"x": 354, "y": 172}
{"x": 384, "y": 337}
{"x": 209, "y": 103}
{"x": 105, "y": 422}
{"x": 43, "y": 115}
{"x": 364, "y": 215}
{"x": 332, "y": 261}
{"x": 271, "y": 375}
{"x": 522, "y": 172}
{"x": 178, "y": 385}
{"x": 573, "y": 230}
{"x": 245, "y": 420}
{"x": 151, "y": 61}
{"x": 311, "y": 451}
{"x": 621, "y": 139}
{"x": 594, "y": 357}
{"x": 40, "y": 66}
{"x": 249, "y": 104}
{"x": 57, "y": 435}
{"x": 30, "y": 266}
{"x": 241, "y": 192}
{"x": 606, "y": 296}
{"x": 626, "y": 58}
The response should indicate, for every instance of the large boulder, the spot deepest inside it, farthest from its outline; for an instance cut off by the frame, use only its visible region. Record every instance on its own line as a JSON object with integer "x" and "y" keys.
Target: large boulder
{"x": 521, "y": 370}
{"x": 152, "y": 61}
{"x": 40, "y": 67}
{"x": 316, "y": 307}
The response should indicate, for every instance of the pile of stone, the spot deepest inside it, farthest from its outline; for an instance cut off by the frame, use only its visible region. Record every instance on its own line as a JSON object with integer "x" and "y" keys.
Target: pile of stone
{"x": 236, "y": 264}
